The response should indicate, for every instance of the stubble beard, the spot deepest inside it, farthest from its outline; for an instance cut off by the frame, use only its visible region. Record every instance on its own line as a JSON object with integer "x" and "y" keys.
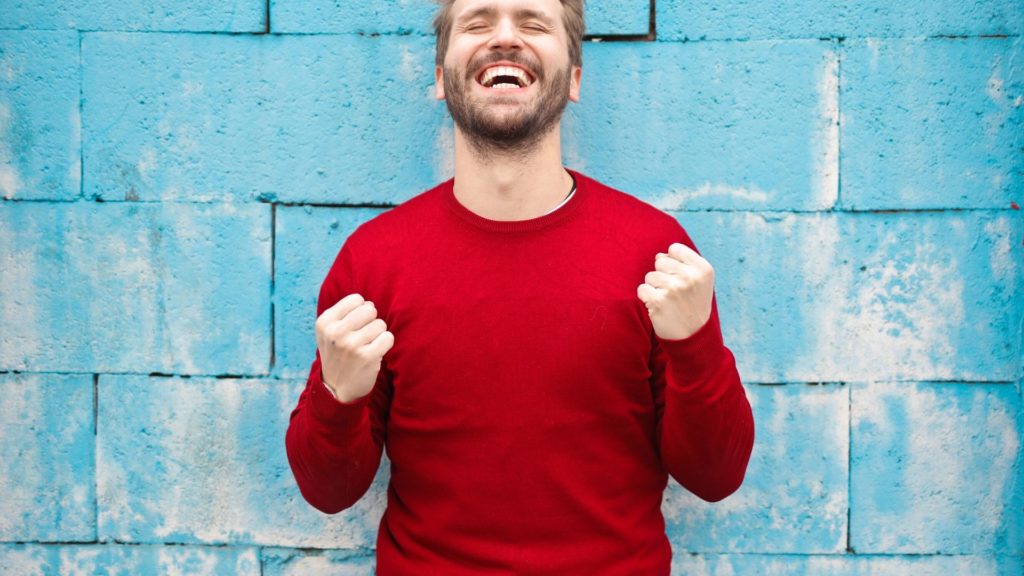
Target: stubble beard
{"x": 489, "y": 132}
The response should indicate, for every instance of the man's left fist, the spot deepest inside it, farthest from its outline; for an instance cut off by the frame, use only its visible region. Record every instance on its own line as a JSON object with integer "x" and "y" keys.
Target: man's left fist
{"x": 678, "y": 292}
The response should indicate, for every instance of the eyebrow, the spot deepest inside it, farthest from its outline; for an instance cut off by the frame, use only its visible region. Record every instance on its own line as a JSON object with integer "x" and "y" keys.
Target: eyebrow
{"x": 492, "y": 12}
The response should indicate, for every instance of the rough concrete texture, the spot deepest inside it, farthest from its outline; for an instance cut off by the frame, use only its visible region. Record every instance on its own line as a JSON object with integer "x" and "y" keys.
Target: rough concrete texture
{"x": 47, "y": 465}
{"x": 794, "y": 498}
{"x": 607, "y": 17}
{"x": 750, "y": 19}
{"x": 202, "y": 461}
{"x": 916, "y": 136}
{"x": 115, "y": 560}
{"x": 171, "y": 288}
{"x": 916, "y": 455}
{"x": 177, "y": 177}
{"x": 40, "y": 122}
{"x": 158, "y": 15}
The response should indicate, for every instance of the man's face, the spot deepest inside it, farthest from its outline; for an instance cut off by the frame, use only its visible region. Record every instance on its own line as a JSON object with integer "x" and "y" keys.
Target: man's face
{"x": 506, "y": 76}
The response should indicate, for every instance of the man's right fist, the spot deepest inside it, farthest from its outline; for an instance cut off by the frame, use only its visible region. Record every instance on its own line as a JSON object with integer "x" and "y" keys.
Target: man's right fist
{"x": 352, "y": 342}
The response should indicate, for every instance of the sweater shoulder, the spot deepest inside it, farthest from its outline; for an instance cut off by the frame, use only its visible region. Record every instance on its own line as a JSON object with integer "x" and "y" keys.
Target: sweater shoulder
{"x": 402, "y": 221}
{"x": 634, "y": 216}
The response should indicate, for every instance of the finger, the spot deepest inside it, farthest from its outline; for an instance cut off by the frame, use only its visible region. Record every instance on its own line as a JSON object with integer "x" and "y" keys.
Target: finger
{"x": 648, "y": 294}
{"x": 342, "y": 307}
{"x": 659, "y": 279}
{"x": 368, "y": 333}
{"x": 668, "y": 264}
{"x": 684, "y": 253}
{"x": 358, "y": 317}
{"x": 381, "y": 344}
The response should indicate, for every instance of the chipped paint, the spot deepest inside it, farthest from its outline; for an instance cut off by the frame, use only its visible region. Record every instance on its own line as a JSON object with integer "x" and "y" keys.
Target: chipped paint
{"x": 677, "y": 199}
{"x": 10, "y": 180}
{"x": 825, "y": 146}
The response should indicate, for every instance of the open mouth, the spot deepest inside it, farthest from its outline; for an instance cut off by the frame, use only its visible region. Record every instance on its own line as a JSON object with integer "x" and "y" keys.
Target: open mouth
{"x": 505, "y": 77}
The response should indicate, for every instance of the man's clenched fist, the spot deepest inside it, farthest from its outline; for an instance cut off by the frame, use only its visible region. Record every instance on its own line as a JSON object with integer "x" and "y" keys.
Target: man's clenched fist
{"x": 678, "y": 292}
{"x": 352, "y": 342}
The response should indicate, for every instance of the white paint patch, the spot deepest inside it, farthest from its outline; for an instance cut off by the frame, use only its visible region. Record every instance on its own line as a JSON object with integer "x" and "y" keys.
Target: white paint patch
{"x": 897, "y": 319}
{"x": 126, "y": 270}
{"x": 994, "y": 86}
{"x": 180, "y": 561}
{"x": 411, "y": 68}
{"x": 75, "y": 150}
{"x": 825, "y": 143}
{"x": 679, "y": 197}
{"x": 146, "y": 164}
{"x": 444, "y": 147}
{"x": 22, "y": 342}
{"x": 873, "y": 45}
{"x": 954, "y": 438}
{"x": 21, "y": 472}
{"x": 190, "y": 88}
{"x": 1000, "y": 259}
{"x": 10, "y": 181}
{"x": 9, "y": 68}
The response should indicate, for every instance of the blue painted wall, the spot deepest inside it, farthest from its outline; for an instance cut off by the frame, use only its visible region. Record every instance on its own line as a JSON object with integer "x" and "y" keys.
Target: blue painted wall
{"x": 176, "y": 178}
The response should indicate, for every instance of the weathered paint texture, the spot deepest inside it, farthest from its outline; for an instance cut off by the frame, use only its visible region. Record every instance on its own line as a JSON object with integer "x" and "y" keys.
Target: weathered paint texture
{"x": 171, "y": 288}
{"x": 177, "y": 177}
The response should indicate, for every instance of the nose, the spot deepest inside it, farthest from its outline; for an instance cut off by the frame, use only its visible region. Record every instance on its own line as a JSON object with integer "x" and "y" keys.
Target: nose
{"x": 506, "y": 35}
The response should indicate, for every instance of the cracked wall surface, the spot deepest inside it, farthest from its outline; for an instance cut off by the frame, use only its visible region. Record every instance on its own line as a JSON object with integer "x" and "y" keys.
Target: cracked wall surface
{"x": 177, "y": 176}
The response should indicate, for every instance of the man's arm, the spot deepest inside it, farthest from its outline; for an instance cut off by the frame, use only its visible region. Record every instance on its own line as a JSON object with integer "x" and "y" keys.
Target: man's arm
{"x": 334, "y": 447}
{"x": 705, "y": 425}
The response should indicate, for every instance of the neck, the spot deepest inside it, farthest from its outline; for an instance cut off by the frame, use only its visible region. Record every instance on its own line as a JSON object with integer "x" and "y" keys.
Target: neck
{"x": 519, "y": 185}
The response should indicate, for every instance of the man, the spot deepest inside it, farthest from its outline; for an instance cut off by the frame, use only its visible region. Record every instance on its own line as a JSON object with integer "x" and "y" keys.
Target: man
{"x": 536, "y": 351}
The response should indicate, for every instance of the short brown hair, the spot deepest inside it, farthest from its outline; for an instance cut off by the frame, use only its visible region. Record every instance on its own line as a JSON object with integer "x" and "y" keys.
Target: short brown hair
{"x": 572, "y": 18}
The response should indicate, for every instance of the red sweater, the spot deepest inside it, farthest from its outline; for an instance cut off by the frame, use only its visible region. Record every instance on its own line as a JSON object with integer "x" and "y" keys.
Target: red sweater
{"x": 530, "y": 414}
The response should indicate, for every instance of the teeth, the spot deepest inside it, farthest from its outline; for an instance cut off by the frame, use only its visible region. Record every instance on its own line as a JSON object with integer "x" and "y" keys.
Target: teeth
{"x": 512, "y": 71}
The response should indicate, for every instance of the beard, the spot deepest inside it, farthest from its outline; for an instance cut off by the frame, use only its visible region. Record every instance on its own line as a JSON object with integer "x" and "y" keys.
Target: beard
{"x": 517, "y": 132}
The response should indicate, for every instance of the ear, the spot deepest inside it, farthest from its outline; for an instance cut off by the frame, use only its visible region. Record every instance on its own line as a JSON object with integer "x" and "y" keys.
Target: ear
{"x": 576, "y": 76}
{"x": 439, "y": 82}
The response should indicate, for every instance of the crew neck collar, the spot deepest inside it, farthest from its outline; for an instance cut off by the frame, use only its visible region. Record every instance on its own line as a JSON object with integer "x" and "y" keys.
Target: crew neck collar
{"x": 563, "y": 212}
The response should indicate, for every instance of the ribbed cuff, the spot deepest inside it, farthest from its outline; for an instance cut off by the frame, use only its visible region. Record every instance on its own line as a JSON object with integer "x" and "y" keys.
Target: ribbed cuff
{"x": 697, "y": 354}
{"x": 333, "y": 412}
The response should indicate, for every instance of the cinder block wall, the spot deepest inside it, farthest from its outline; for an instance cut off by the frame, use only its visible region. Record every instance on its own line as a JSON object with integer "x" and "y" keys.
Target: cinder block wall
{"x": 177, "y": 176}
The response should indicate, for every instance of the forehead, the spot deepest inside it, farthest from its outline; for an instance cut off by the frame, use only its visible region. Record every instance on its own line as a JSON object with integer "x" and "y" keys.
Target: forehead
{"x": 550, "y": 8}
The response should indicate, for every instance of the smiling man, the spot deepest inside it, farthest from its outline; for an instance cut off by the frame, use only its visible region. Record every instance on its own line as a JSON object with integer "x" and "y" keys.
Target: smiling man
{"x": 536, "y": 351}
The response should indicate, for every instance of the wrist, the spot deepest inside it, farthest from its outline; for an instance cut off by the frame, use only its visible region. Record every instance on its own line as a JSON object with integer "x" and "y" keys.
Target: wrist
{"x": 335, "y": 393}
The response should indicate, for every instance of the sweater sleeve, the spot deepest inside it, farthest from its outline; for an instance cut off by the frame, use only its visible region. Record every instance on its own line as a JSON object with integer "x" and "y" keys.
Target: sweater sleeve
{"x": 706, "y": 427}
{"x": 334, "y": 448}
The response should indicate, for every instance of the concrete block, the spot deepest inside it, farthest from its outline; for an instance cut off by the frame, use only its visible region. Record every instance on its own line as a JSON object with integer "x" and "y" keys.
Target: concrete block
{"x": 47, "y": 458}
{"x": 936, "y": 469}
{"x": 165, "y": 15}
{"x": 794, "y": 496}
{"x": 40, "y": 125}
{"x": 417, "y": 17}
{"x": 289, "y": 562}
{"x": 307, "y": 242}
{"x": 203, "y": 461}
{"x": 177, "y": 288}
{"x": 749, "y": 19}
{"x": 843, "y": 565}
{"x": 34, "y": 560}
{"x": 749, "y": 126}
{"x": 847, "y": 297}
{"x": 933, "y": 123}
{"x": 341, "y": 119}
{"x": 617, "y": 17}
{"x": 380, "y": 17}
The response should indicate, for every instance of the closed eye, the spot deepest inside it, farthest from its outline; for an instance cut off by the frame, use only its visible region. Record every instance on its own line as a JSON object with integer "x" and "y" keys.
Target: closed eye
{"x": 535, "y": 27}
